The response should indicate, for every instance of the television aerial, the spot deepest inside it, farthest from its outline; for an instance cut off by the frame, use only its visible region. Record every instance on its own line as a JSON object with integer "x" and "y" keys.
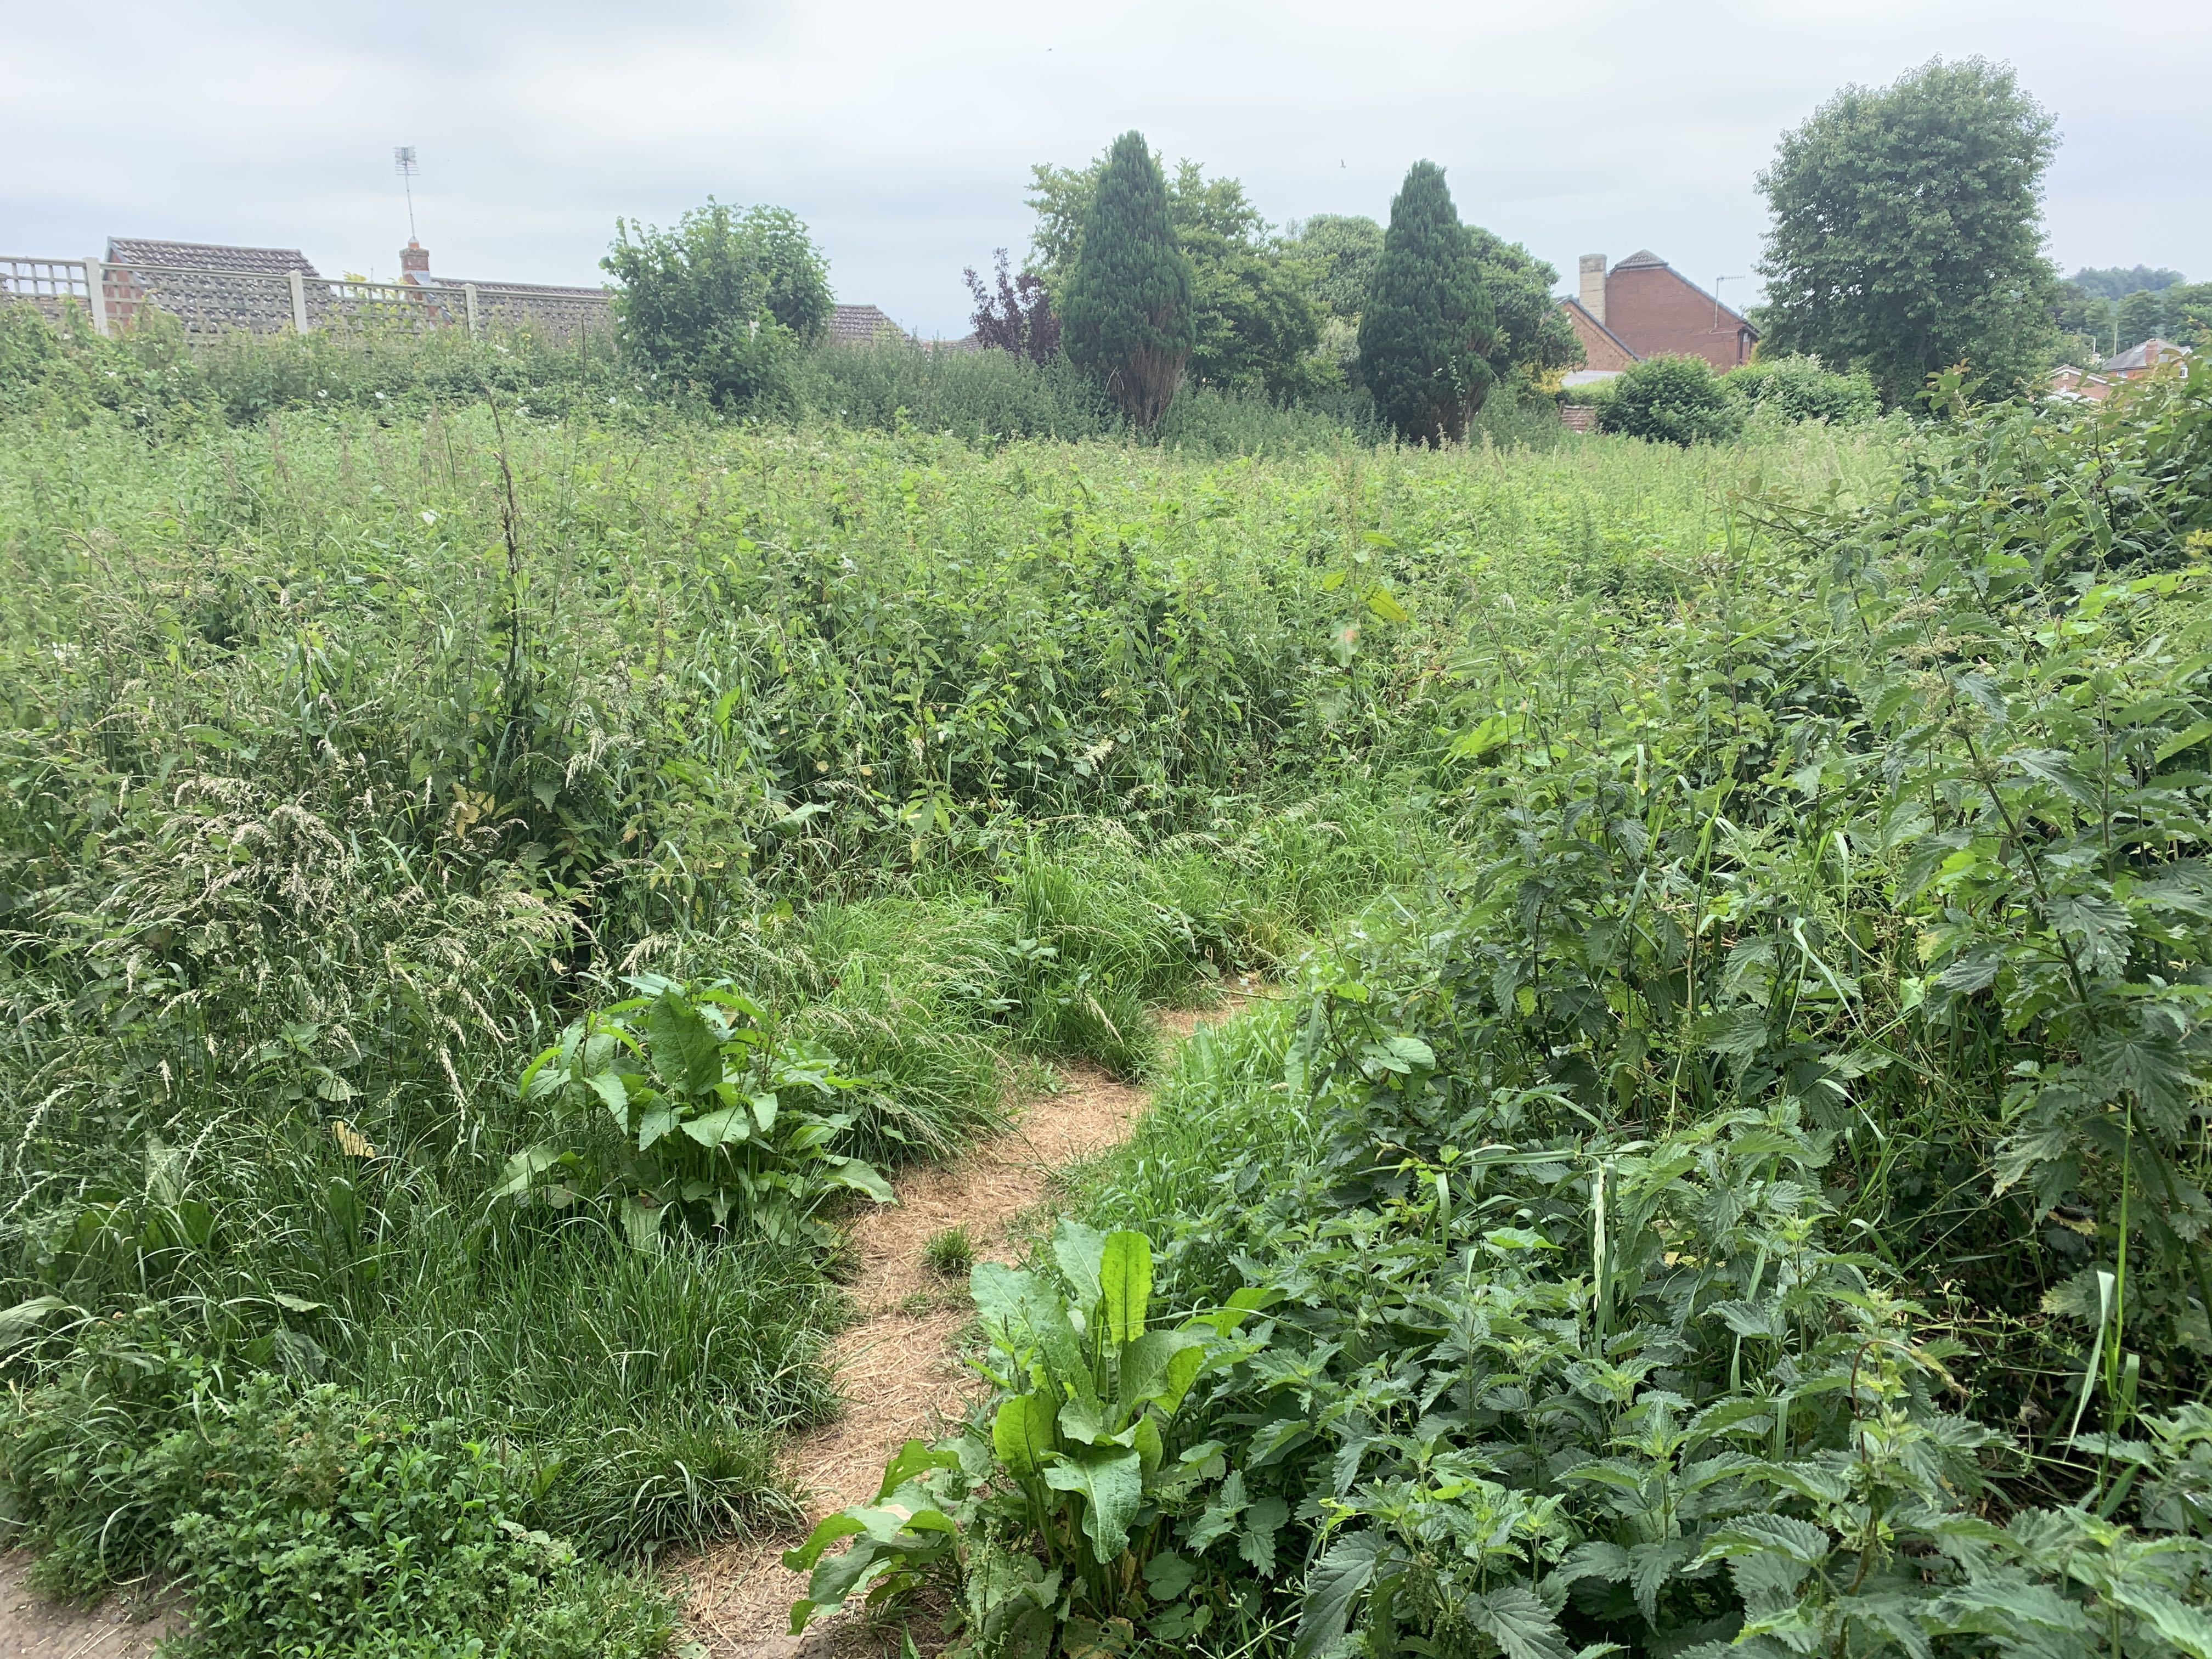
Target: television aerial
{"x": 403, "y": 164}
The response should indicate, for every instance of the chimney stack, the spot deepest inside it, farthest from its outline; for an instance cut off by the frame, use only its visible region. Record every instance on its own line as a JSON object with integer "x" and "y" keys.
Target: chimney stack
{"x": 1593, "y": 288}
{"x": 415, "y": 261}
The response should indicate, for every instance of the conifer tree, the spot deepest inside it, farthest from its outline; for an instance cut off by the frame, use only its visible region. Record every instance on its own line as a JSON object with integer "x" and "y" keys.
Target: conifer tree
{"x": 1127, "y": 316}
{"x": 1427, "y": 321}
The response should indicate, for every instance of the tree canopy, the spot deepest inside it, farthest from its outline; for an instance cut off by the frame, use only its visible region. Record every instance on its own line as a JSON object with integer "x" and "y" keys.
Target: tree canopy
{"x": 2118, "y": 281}
{"x": 1339, "y": 251}
{"x": 1427, "y": 324}
{"x": 1126, "y": 308}
{"x": 1907, "y": 232}
{"x": 721, "y": 298}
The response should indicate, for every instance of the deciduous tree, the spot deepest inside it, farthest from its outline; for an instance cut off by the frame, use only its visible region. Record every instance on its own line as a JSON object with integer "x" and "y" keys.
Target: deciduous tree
{"x": 1019, "y": 316}
{"x": 1907, "y": 232}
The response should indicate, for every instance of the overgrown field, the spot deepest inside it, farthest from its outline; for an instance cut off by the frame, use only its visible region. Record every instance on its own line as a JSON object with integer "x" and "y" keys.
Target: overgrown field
{"x": 483, "y": 895}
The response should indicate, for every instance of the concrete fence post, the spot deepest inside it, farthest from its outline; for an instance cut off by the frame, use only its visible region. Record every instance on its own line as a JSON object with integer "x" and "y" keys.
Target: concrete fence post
{"x": 469, "y": 291}
{"x": 96, "y": 288}
{"x": 298, "y": 301}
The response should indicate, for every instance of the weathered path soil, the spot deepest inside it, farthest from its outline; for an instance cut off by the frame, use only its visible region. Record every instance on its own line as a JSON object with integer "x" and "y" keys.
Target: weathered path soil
{"x": 33, "y": 1627}
{"x": 896, "y": 1366}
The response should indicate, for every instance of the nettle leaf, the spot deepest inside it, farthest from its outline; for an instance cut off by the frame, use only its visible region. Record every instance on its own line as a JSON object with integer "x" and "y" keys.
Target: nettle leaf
{"x": 1512, "y": 1617}
{"x": 685, "y": 1049}
{"x": 2097, "y": 928}
{"x": 1345, "y": 1572}
{"x": 1113, "y": 1482}
{"x": 2056, "y": 767}
{"x": 1738, "y": 1033}
{"x": 1255, "y": 1540}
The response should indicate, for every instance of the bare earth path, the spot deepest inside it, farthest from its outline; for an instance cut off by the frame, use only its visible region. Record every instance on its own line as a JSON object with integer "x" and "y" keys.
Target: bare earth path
{"x": 896, "y": 1366}
{"x": 33, "y": 1627}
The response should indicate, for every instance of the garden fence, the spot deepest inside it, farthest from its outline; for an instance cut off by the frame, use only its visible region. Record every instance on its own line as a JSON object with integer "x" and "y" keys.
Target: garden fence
{"x": 211, "y": 301}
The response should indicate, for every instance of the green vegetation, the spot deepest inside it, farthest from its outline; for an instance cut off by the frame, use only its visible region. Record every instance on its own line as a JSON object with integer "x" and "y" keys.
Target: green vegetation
{"x": 949, "y": 1252}
{"x": 1676, "y": 400}
{"x": 722, "y": 301}
{"x": 505, "y": 851}
{"x": 1126, "y": 308}
{"x": 1907, "y": 232}
{"x": 1428, "y": 322}
{"x": 356, "y": 753}
{"x": 1747, "y": 1198}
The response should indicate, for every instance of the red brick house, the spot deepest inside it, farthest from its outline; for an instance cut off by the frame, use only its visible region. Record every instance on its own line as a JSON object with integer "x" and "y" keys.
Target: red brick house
{"x": 1643, "y": 309}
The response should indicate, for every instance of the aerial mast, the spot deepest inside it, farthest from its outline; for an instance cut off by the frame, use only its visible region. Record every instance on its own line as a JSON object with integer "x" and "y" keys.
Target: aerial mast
{"x": 403, "y": 164}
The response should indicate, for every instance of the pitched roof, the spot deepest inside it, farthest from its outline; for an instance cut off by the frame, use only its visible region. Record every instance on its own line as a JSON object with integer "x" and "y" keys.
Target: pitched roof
{"x": 209, "y": 256}
{"x": 1573, "y": 303}
{"x": 860, "y": 325}
{"x": 2149, "y": 354}
{"x": 1643, "y": 258}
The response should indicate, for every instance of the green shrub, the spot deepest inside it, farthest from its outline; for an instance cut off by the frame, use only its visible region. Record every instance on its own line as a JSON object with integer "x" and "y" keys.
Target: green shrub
{"x": 1794, "y": 388}
{"x": 1676, "y": 400}
{"x": 722, "y": 301}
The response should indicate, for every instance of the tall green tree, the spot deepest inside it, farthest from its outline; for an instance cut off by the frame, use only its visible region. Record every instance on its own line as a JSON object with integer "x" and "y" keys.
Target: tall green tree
{"x": 1126, "y": 315}
{"x": 1907, "y": 232}
{"x": 1427, "y": 326}
{"x": 721, "y": 301}
{"x": 1255, "y": 327}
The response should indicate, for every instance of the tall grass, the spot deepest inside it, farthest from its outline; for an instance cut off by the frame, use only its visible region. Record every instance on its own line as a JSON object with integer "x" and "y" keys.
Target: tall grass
{"x": 348, "y": 755}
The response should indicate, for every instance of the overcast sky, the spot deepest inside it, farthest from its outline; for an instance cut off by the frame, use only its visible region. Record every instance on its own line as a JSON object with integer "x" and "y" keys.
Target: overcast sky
{"x": 903, "y": 132}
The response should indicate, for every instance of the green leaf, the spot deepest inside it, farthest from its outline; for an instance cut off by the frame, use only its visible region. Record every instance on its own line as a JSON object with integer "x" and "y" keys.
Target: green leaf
{"x": 1125, "y": 1281}
{"x": 1167, "y": 1575}
{"x": 1023, "y": 1433}
{"x": 728, "y": 1126}
{"x": 1345, "y": 1569}
{"x": 1077, "y": 1249}
{"x": 861, "y": 1176}
{"x": 1146, "y": 1367}
{"x": 914, "y": 1458}
{"x": 1512, "y": 1617}
{"x": 640, "y": 1221}
{"x": 1113, "y": 1482}
{"x": 1386, "y": 608}
{"x": 686, "y": 1050}
{"x": 609, "y": 1086}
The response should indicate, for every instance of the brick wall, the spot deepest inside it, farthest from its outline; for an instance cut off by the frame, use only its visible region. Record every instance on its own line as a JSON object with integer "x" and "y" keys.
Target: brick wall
{"x": 1656, "y": 312}
{"x": 1600, "y": 349}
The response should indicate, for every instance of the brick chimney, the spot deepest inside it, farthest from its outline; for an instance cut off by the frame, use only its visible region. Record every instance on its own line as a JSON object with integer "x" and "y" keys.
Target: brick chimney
{"x": 414, "y": 262}
{"x": 1593, "y": 288}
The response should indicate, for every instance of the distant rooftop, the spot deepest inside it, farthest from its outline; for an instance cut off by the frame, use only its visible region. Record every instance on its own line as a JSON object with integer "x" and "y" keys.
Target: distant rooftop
{"x": 861, "y": 325}
{"x": 209, "y": 256}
